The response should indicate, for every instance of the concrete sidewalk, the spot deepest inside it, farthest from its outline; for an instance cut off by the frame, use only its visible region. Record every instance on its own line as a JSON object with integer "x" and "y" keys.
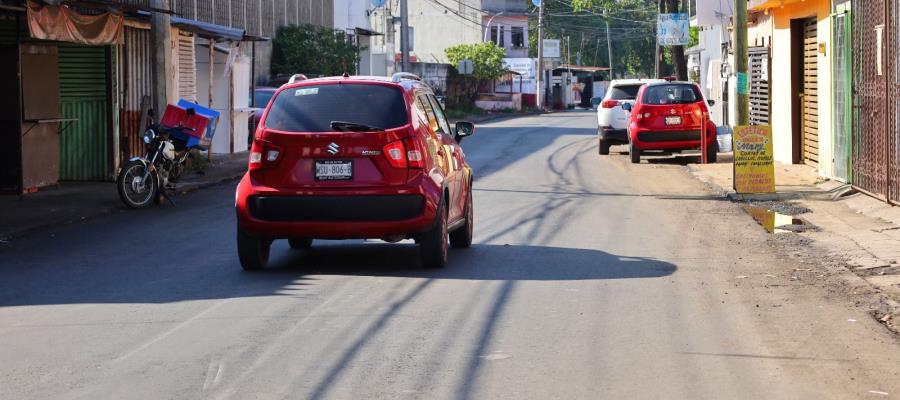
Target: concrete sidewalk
{"x": 863, "y": 231}
{"x": 71, "y": 202}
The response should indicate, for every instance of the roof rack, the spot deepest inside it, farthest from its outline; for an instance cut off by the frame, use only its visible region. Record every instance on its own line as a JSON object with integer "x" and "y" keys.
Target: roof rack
{"x": 397, "y": 77}
{"x": 296, "y": 78}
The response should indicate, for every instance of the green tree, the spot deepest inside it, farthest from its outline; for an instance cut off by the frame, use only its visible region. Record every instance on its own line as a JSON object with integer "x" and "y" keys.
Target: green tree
{"x": 487, "y": 64}
{"x": 632, "y": 25}
{"x": 314, "y": 50}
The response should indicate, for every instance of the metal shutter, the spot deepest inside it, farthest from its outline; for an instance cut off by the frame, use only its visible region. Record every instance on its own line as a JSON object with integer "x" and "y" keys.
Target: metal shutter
{"x": 84, "y": 144}
{"x": 810, "y": 93}
{"x": 187, "y": 70}
{"x": 759, "y": 86}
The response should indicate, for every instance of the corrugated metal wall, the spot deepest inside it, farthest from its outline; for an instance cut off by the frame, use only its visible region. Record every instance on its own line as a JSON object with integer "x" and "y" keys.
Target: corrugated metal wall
{"x": 257, "y": 17}
{"x": 85, "y": 143}
{"x": 138, "y": 83}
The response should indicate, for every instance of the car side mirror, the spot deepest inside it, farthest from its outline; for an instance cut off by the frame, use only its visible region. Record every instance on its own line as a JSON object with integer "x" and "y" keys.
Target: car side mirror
{"x": 627, "y": 107}
{"x": 711, "y": 102}
{"x": 463, "y": 129}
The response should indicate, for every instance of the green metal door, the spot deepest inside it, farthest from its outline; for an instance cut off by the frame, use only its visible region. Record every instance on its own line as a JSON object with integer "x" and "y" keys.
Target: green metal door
{"x": 842, "y": 93}
{"x": 84, "y": 144}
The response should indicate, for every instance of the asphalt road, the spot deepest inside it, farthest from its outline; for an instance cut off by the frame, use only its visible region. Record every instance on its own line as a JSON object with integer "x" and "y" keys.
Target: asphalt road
{"x": 589, "y": 278}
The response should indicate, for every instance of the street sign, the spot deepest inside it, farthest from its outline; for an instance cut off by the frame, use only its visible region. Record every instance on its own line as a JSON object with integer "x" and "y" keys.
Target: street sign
{"x": 551, "y": 48}
{"x": 754, "y": 168}
{"x": 465, "y": 67}
{"x": 673, "y": 30}
{"x": 377, "y": 3}
{"x": 537, "y": 3}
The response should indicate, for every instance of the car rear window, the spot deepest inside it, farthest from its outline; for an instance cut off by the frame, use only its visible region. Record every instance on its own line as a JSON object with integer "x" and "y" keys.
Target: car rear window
{"x": 625, "y": 92}
{"x": 671, "y": 94}
{"x": 313, "y": 108}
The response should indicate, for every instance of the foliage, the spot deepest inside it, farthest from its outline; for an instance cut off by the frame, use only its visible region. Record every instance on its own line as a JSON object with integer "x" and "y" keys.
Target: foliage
{"x": 632, "y": 30}
{"x": 311, "y": 49}
{"x": 487, "y": 65}
{"x": 487, "y": 58}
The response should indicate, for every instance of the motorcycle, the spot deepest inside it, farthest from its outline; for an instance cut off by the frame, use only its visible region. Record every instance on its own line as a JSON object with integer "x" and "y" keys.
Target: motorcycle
{"x": 148, "y": 180}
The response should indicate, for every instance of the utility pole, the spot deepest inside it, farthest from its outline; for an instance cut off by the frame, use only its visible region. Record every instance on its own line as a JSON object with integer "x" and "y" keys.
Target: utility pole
{"x": 659, "y": 10}
{"x": 608, "y": 47}
{"x": 160, "y": 28}
{"x": 404, "y": 35}
{"x": 740, "y": 61}
{"x": 539, "y": 92}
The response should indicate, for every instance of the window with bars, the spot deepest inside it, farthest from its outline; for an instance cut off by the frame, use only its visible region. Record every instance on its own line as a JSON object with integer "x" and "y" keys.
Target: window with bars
{"x": 517, "y": 36}
{"x": 497, "y": 36}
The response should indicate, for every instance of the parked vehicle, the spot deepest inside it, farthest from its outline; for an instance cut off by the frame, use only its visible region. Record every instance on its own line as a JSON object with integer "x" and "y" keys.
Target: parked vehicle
{"x": 144, "y": 181}
{"x": 612, "y": 118}
{"x": 356, "y": 157}
{"x": 670, "y": 116}
{"x": 261, "y": 96}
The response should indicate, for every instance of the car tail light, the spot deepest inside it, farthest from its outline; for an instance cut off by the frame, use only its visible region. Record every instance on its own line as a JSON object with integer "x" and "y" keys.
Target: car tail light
{"x": 394, "y": 152}
{"x": 264, "y": 155}
{"x": 609, "y": 103}
{"x": 414, "y": 153}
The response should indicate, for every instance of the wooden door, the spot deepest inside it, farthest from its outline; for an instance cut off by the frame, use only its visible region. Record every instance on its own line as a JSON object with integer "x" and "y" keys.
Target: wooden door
{"x": 810, "y": 94}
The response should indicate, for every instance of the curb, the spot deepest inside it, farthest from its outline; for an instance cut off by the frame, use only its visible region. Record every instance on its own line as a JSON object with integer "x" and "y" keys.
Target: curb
{"x": 99, "y": 212}
{"x": 890, "y": 307}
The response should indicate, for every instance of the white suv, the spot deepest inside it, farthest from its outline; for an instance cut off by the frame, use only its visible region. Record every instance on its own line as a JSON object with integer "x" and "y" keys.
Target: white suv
{"x": 612, "y": 120}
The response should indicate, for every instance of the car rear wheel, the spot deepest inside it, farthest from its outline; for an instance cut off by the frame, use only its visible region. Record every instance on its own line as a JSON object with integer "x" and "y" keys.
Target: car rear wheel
{"x": 253, "y": 251}
{"x": 712, "y": 152}
{"x": 433, "y": 244}
{"x": 462, "y": 237}
{"x": 603, "y": 148}
{"x": 300, "y": 243}
{"x": 635, "y": 153}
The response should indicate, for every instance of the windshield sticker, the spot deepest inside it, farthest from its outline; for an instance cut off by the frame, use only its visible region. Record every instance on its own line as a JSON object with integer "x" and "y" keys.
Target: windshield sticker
{"x": 306, "y": 91}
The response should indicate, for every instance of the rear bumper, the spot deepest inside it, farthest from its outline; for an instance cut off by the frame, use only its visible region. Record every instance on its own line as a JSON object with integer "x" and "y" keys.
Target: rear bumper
{"x": 375, "y": 208}
{"x": 610, "y": 134}
{"x": 338, "y": 213}
{"x": 670, "y": 140}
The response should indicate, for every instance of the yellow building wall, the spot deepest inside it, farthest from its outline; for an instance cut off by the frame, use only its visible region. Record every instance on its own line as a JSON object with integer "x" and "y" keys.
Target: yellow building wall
{"x": 782, "y": 118}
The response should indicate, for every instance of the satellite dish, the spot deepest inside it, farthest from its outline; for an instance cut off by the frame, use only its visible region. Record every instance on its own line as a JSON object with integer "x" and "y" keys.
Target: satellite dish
{"x": 377, "y": 3}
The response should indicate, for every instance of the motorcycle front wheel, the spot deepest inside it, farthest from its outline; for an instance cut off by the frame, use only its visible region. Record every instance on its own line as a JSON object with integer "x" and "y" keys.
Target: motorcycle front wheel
{"x": 134, "y": 191}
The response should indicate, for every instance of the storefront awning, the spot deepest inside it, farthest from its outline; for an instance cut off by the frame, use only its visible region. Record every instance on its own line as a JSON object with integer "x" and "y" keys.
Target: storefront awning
{"x": 366, "y": 32}
{"x": 761, "y": 5}
{"x": 208, "y": 30}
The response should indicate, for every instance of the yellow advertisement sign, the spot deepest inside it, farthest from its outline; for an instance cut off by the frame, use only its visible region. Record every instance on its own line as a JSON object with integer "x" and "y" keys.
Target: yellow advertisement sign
{"x": 754, "y": 167}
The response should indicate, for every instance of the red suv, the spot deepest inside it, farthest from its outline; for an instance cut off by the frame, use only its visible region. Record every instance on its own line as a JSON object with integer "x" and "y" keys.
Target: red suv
{"x": 355, "y": 157}
{"x": 669, "y": 116}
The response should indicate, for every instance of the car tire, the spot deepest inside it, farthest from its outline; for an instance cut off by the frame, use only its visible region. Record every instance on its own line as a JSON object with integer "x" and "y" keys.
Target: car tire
{"x": 461, "y": 238}
{"x": 603, "y": 147}
{"x": 712, "y": 152}
{"x": 433, "y": 246}
{"x": 635, "y": 153}
{"x": 253, "y": 251}
{"x": 300, "y": 243}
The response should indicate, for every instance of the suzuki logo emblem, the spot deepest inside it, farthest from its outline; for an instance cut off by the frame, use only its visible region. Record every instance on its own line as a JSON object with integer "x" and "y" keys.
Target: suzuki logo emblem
{"x": 333, "y": 148}
{"x": 672, "y": 111}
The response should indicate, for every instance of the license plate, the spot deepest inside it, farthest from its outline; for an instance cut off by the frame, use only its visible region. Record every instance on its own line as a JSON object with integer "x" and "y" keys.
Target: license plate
{"x": 673, "y": 120}
{"x": 334, "y": 170}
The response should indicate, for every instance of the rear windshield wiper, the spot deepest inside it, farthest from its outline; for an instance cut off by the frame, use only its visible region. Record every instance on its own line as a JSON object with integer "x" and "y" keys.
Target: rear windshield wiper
{"x": 344, "y": 126}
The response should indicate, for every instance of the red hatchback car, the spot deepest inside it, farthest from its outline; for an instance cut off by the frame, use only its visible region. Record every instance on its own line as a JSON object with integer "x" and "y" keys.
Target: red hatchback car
{"x": 669, "y": 116}
{"x": 355, "y": 157}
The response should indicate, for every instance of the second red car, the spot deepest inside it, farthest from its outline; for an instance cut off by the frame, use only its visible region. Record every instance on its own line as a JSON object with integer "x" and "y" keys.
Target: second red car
{"x": 669, "y": 116}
